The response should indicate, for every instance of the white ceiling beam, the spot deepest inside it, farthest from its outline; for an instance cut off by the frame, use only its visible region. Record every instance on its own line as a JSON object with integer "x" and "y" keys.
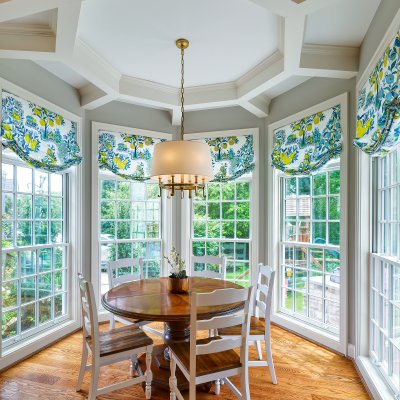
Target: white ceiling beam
{"x": 22, "y": 38}
{"x": 332, "y": 61}
{"x": 175, "y": 116}
{"x": 67, "y": 27}
{"x": 21, "y": 8}
{"x": 293, "y": 41}
{"x": 92, "y": 97}
{"x": 259, "y": 106}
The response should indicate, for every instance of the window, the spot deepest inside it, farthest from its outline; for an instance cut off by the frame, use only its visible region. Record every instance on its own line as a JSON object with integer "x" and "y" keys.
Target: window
{"x": 384, "y": 343}
{"x": 130, "y": 224}
{"x": 309, "y": 286}
{"x": 221, "y": 226}
{"x": 34, "y": 251}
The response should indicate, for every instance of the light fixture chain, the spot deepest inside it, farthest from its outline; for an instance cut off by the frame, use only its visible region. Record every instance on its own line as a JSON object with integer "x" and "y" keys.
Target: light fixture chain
{"x": 182, "y": 91}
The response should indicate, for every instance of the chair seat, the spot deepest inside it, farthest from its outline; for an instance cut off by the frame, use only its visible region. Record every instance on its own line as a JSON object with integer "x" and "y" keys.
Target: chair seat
{"x": 121, "y": 339}
{"x": 207, "y": 363}
{"x": 257, "y": 327}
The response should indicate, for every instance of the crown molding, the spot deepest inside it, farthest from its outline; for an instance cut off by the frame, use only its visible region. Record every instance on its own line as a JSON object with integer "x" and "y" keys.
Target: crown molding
{"x": 317, "y": 49}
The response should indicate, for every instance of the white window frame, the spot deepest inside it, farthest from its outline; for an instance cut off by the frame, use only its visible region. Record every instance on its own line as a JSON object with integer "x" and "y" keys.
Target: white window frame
{"x": 377, "y": 385}
{"x": 166, "y": 209}
{"x": 186, "y": 205}
{"x": 74, "y": 257}
{"x": 274, "y": 256}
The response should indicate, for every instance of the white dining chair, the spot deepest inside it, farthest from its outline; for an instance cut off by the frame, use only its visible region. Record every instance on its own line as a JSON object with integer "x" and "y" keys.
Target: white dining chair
{"x": 209, "y": 261}
{"x": 109, "y": 347}
{"x": 213, "y": 358}
{"x": 135, "y": 265}
{"x": 260, "y": 324}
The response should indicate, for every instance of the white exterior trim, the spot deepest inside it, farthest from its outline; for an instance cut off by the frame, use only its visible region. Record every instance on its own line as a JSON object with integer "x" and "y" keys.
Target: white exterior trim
{"x": 273, "y": 238}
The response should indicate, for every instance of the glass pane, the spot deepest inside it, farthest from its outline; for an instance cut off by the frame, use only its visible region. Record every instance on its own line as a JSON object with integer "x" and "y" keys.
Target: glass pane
{"x": 153, "y": 269}
{"x": 291, "y": 209}
{"x": 242, "y": 230}
{"x": 214, "y": 191}
{"x": 28, "y": 262}
{"x": 44, "y": 285}
{"x": 199, "y": 248}
{"x": 24, "y": 180}
{"x": 304, "y": 205}
{"x": 199, "y": 210}
{"x": 152, "y": 211}
{"x": 56, "y": 185}
{"x": 212, "y": 249}
{"x": 56, "y": 231}
{"x": 288, "y": 256}
{"x": 139, "y": 249}
{"x": 123, "y": 230}
{"x": 319, "y": 184}
{"x": 228, "y": 191}
{"x": 243, "y": 191}
{"x": 334, "y": 233}
{"x": 300, "y": 303}
{"x": 319, "y": 232}
{"x": 41, "y": 232}
{"x": 107, "y": 210}
{"x": 214, "y": 230}
{"x": 139, "y": 211}
{"x": 28, "y": 317}
{"x": 152, "y": 230}
{"x": 199, "y": 229}
{"x": 108, "y": 252}
{"x": 139, "y": 191}
{"x": 59, "y": 305}
{"x": 7, "y": 234}
{"x": 230, "y": 271}
{"x": 300, "y": 280}
{"x": 332, "y": 287}
{"x": 243, "y": 210}
{"x": 315, "y": 308}
{"x": 334, "y": 182}
{"x": 24, "y": 206}
{"x": 242, "y": 271}
{"x": 41, "y": 207}
{"x": 214, "y": 210}
{"x": 124, "y": 190}
{"x": 304, "y": 231}
{"x": 8, "y": 206}
{"x": 41, "y": 182}
{"x": 242, "y": 251}
{"x": 332, "y": 313}
{"x": 152, "y": 191}
{"x": 316, "y": 283}
{"x": 9, "y": 324}
{"x": 124, "y": 250}
{"x": 59, "y": 281}
{"x": 287, "y": 299}
{"x": 28, "y": 289}
{"x": 58, "y": 258}
{"x": 7, "y": 181}
{"x": 10, "y": 265}
{"x": 45, "y": 310}
{"x": 319, "y": 208}
{"x": 304, "y": 186}
{"x": 332, "y": 261}
{"x": 123, "y": 210}
{"x": 44, "y": 260}
{"x": 290, "y": 230}
{"x": 24, "y": 233}
{"x": 228, "y": 210}
{"x": 10, "y": 294}
{"x": 334, "y": 208}
{"x": 290, "y": 187}
{"x": 154, "y": 250}
{"x": 56, "y": 208}
{"x": 107, "y": 230}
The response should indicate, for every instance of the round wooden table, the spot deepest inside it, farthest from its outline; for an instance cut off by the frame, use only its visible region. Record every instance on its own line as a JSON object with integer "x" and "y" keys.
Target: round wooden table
{"x": 150, "y": 300}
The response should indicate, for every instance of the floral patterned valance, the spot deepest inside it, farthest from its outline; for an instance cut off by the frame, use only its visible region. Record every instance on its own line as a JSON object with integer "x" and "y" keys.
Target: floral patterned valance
{"x": 305, "y": 146}
{"x": 40, "y": 137}
{"x": 128, "y": 156}
{"x": 232, "y": 156}
{"x": 378, "y": 116}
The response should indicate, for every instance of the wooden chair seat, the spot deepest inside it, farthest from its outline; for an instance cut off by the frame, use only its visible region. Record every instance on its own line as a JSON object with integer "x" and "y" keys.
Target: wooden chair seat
{"x": 207, "y": 363}
{"x": 121, "y": 339}
{"x": 257, "y": 328}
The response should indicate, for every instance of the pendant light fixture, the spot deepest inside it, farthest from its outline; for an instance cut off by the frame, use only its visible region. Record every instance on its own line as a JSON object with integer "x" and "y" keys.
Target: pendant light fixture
{"x": 181, "y": 164}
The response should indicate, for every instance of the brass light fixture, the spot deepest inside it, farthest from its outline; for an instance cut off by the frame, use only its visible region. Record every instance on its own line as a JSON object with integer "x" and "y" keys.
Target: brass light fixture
{"x": 182, "y": 164}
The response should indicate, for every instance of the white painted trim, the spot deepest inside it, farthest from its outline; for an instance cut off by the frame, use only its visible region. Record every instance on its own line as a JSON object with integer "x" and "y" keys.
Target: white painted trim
{"x": 186, "y": 222}
{"x": 166, "y": 206}
{"x": 274, "y": 221}
{"x": 74, "y": 256}
{"x": 351, "y": 351}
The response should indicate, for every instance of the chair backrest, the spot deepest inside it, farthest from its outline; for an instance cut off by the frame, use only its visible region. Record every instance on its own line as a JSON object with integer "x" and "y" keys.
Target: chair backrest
{"x": 218, "y": 298}
{"x": 89, "y": 313}
{"x": 125, "y": 270}
{"x": 210, "y": 264}
{"x": 263, "y": 292}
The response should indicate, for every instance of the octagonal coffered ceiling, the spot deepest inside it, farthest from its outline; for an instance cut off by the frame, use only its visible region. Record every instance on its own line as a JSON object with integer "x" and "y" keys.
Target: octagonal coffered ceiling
{"x": 242, "y": 52}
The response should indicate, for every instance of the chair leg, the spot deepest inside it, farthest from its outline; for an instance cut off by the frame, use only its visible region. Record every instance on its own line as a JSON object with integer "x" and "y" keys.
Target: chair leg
{"x": 259, "y": 352}
{"x": 94, "y": 381}
{"x": 148, "y": 374}
{"x": 244, "y": 383}
{"x": 270, "y": 361}
{"x": 83, "y": 367}
{"x": 133, "y": 364}
{"x": 172, "y": 380}
{"x": 218, "y": 386}
{"x": 112, "y": 322}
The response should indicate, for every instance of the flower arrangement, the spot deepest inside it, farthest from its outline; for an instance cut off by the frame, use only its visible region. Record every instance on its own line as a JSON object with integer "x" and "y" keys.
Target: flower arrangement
{"x": 176, "y": 264}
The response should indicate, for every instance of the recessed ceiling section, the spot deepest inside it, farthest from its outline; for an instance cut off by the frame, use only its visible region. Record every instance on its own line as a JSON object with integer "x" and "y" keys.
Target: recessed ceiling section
{"x": 227, "y": 38}
{"x": 342, "y": 24}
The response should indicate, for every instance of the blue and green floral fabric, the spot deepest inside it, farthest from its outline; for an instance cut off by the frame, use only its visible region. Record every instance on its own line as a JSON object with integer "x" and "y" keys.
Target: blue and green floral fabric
{"x": 305, "y": 146}
{"x": 40, "y": 137}
{"x": 128, "y": 156}
{"x": 232, "y": 156}
{"x": 378, "y": 116}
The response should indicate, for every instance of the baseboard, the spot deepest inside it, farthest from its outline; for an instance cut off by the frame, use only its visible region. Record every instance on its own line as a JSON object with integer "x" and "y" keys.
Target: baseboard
{"x": 351, "y": 351}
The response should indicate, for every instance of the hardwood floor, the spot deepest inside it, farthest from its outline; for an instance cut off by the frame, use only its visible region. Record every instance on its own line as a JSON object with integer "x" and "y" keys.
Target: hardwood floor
{"x": 304, "y": 371}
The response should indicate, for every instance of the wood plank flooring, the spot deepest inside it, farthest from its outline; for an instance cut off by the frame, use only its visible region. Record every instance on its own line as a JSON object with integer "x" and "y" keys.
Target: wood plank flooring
{"x": 304, "y": 371}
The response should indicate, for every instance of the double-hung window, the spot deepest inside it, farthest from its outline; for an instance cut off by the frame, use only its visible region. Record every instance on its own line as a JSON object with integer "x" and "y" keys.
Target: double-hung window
{"x": 384, "y": 343}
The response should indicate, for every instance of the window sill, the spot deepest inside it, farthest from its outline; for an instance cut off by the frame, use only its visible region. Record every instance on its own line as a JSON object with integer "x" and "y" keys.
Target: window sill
{"x": 36, "y": 343}
{"x": 309, "y": 332}
{"x": 374, "y": 380}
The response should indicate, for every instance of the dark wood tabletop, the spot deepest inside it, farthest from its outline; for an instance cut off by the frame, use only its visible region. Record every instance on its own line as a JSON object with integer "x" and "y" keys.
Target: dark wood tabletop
{"x": 150, "y": 300}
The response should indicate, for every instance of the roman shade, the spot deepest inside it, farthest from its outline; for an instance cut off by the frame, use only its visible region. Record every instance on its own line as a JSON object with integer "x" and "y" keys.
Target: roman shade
{"x": 305, "y": 146}
{"x": 40, "y": 137}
